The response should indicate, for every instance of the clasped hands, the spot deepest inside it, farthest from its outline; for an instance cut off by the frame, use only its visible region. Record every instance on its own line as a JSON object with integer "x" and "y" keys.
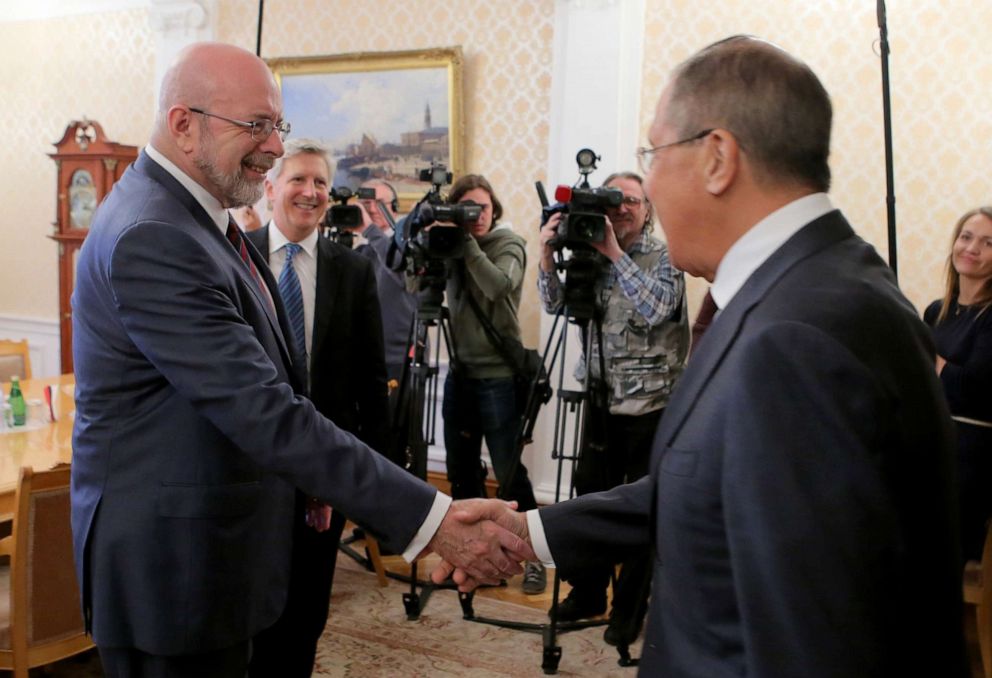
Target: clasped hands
{"x": 480, "y": 541}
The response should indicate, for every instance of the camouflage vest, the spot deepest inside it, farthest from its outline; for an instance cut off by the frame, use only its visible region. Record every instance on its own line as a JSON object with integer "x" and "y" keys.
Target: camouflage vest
{"x": 642, "y": 362}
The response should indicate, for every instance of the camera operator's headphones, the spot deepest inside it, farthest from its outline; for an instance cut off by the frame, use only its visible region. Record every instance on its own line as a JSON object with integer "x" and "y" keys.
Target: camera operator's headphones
{"x": 394, "y": 204}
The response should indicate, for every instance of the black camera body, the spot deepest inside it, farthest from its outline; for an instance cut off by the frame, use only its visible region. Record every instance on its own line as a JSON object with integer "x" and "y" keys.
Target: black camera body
{"x": 440, "y": 241}
{"x": 585, "y": 216}
{"x": 341, "y": 215}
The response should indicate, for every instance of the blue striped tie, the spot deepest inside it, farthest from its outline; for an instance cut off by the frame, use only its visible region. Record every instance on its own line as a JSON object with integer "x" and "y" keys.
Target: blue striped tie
{"x": 292, "y": 296}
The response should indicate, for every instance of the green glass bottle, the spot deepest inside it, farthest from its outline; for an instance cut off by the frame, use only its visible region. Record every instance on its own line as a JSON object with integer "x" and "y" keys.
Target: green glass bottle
{"x": 17, "y": 405}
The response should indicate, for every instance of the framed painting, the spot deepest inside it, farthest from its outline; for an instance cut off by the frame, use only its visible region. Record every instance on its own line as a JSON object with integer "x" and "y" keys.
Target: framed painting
{"x": 382, "y": 115}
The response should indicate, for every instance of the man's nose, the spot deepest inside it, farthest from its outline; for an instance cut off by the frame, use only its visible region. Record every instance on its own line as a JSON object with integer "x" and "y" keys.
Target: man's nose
{"x": 272, "y": 145}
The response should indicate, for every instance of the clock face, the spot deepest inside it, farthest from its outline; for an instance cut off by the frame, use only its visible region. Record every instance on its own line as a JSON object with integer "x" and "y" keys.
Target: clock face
{"x": 82, "y": 199}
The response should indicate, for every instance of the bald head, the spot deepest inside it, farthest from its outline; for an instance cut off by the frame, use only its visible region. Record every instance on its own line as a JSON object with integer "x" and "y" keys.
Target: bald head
{"x": 206, "y": 74}
{"x": 208, "y": 100}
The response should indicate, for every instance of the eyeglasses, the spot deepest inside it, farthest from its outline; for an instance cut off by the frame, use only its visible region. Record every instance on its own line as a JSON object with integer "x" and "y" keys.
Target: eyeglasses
{"x": 645, "y": 156}
{"x": 631, "y": 201}
{"x": 260, "y": 129}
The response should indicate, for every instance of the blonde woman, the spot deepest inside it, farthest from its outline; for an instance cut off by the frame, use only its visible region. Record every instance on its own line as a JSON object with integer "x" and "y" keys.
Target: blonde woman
{"x": 962, "y": 329}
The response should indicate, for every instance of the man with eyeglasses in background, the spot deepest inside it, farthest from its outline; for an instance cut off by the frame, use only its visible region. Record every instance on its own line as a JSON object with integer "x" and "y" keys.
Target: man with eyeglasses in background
{"x": 640, "y": 302}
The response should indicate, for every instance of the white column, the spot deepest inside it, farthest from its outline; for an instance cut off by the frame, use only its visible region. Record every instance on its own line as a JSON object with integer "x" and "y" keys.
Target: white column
{"x": 177, "y": 23}
{"x": 595, "y": 103}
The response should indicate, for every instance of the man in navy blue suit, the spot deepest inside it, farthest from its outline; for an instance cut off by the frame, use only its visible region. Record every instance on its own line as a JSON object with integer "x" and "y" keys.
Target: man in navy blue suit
{"x": 191, "y": 435}
{"x": 800, "y": 499}
{"x": 339, "y": 311}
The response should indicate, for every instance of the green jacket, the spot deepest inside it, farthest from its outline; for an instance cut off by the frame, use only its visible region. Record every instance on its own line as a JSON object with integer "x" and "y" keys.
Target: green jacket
{"x": 493, "y": 273}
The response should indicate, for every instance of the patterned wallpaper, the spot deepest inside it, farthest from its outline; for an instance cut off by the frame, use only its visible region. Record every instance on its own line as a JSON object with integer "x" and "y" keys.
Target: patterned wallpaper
{"x": 937, "y": 60}
{"x": 97, "y": 65}
{"x": 102, "y": 66}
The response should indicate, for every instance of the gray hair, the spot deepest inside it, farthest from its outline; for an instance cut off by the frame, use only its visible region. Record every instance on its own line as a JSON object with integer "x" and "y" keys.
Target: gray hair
{"x": 634, "y": 176}
{"x": 771, "y": 102}
{"x": 295, "y": 147}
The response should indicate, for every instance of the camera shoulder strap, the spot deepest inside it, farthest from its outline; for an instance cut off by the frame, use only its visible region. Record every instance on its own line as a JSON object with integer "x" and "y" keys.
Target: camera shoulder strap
{"x": 495, "y": 338}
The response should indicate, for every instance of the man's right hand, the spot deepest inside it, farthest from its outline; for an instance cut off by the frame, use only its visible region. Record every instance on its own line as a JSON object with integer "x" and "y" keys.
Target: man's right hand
{"x": 493, "y": 512}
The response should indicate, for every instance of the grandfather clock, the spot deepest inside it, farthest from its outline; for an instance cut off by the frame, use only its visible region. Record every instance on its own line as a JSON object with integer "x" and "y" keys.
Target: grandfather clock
{"x": 88, "y": 165}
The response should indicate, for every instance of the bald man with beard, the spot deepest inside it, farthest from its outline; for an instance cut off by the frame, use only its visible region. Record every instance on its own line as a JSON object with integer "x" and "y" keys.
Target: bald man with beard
{"x": 192, "y": 433}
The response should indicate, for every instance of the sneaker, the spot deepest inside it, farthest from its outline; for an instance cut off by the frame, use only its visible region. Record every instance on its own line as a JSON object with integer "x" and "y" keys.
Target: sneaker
{"x": 535, "y": 578}
{"x": 576, "y": 607}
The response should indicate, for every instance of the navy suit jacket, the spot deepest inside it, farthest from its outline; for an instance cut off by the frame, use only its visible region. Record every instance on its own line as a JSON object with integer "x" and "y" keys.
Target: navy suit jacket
{"x": 190, "y": 433}
{"x": 800, "y": 498}
{"x": 347, "y": 365}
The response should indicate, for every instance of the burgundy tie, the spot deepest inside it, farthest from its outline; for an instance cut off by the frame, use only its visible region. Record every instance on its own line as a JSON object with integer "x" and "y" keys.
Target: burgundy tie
{"x": 234, "y": 235}
{"x": 703, "y": 320}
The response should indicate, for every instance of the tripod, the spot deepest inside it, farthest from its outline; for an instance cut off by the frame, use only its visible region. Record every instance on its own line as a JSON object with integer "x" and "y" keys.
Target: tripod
{"x": 415, "y": 416}
{"x": 571, "y": 413}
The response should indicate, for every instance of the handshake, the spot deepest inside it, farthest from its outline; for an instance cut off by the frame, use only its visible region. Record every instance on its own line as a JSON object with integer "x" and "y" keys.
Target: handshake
{"x": 480, "y": 541}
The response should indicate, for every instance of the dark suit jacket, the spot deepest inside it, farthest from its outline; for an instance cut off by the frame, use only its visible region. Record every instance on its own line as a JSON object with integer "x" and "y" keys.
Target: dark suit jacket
{"x": 190, "y": 434}
{"x": 347, "y": 366}
{"x": 800, "y": 495}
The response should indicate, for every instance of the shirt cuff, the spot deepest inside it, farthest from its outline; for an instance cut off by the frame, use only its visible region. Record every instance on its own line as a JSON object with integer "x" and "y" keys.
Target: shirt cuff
{"x": 427, "y": 529}
{"x": 535, "y": 529}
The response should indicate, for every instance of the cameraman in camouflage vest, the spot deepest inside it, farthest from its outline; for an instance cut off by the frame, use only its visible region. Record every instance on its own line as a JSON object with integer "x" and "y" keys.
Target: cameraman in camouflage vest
{"x": 641, "y": 308}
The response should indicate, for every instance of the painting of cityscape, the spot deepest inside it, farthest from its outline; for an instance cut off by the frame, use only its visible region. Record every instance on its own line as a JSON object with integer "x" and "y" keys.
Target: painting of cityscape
{"x": 381, "y": 115}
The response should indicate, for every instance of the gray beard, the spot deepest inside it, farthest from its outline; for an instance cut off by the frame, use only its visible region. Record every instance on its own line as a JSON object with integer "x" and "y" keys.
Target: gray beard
{"x": 236, "y": 189}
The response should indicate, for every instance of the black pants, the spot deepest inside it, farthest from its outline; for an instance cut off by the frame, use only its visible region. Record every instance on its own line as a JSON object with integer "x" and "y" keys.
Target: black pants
{"x": 127, "y": 662}
{"x": 616, "y": 450}
{"x": 288, "y": 648}
{"x": 974, "y": 474}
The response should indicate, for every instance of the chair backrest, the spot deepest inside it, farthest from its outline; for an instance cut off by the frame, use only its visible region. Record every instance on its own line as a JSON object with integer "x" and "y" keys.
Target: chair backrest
{"x": 15, "y": 359}
{"x": 45, "y": 606}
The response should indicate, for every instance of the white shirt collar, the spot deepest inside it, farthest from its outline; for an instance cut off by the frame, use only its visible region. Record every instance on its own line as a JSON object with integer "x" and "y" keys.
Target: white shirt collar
{"x": 761, "y": 241}
{"x": 277, "y": 240}
{"x": 211, "y": 204}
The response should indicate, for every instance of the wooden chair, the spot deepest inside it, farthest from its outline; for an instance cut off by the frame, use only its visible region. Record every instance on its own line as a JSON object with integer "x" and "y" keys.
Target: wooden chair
{"x": 978, "y": 592}
{"x": 40, "y": 618}
{"x": 15, "y": 359}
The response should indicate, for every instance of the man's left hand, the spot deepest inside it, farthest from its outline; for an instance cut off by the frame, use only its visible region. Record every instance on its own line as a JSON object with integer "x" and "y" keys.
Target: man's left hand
{"x": 610, "y": 247}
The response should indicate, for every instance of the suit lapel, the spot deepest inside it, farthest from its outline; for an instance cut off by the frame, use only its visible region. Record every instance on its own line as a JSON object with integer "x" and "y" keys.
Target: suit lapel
{"x": 186, "y": 199}
{"x": 328, "y": 284}
{"x": 721, "y": 334}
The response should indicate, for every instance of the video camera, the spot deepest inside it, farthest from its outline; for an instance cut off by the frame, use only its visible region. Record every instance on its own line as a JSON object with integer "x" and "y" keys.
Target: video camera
{"x": 584, "y": 208}
{"x": 343, "y": 219}
{"x": 441, "y": 241}
{"x": 583, "y": 222}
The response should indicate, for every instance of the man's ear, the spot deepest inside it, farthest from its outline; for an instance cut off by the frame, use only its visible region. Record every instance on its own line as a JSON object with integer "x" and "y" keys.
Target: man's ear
{"x": 180, "y": 121}
{"x": 722, "y": 161}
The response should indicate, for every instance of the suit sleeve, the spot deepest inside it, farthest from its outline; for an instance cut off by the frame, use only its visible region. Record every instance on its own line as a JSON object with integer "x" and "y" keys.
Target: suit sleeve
{"x": 185, "y": 313}
{"x": 600, "y": 528}
{"x": 373, "y": 402}
{"x": 809, "y": 513}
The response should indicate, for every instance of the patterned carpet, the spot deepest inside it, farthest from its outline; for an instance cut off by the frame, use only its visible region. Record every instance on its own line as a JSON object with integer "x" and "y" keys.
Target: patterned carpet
{"x": 368, "y": 635}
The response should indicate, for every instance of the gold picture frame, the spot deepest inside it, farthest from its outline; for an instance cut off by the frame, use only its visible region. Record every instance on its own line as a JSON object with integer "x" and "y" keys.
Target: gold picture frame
{"x": 381, "y": 114}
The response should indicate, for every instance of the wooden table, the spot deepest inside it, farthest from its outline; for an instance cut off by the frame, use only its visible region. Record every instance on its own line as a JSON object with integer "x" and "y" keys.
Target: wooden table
{"x": 40, "y": 445}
